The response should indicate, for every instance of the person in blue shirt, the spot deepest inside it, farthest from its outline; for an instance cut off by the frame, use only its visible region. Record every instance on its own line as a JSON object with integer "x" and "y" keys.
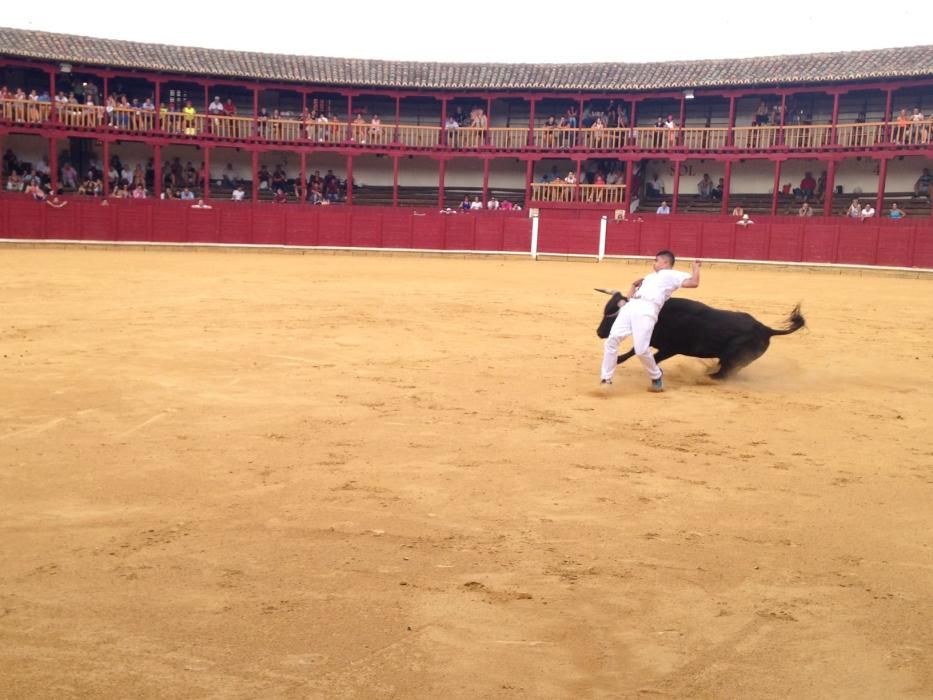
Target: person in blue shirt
{"x": 896, "y": 212}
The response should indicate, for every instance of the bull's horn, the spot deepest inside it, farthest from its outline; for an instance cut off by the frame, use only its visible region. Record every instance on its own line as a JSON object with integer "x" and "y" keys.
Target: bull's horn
{"x": 606, "y": 291}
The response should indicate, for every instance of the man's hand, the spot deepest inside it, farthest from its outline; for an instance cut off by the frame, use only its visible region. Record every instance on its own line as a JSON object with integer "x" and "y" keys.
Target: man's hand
{"x": 694, "y": 279}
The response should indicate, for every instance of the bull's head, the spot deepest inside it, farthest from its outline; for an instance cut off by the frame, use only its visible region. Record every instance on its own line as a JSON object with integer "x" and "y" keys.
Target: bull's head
{"x": 610, "y": 311}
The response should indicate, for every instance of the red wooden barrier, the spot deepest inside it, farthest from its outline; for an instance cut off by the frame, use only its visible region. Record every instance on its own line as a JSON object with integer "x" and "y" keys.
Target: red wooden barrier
{"x": 906, "y": 243}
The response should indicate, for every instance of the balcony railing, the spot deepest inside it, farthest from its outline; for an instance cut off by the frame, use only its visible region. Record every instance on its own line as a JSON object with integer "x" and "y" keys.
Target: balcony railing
{"x": 564, "y": 192}
{"x": 542, "y": 138}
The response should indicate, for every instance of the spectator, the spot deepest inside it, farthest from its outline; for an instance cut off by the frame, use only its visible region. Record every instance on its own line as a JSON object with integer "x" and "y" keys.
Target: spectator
{"x": 189, "y": 119}
{"x": 15, "y": 183}
{"x": 761, "y": 114}
{"x": 229, "y": 108}
{"x": 655, "y": 188}
{"x": 465, "y": 204}
{"x": 476, "y": 205}
{"x": 506, "y": 205}
{"x": 36, "y": 192}
{"x": 738, "y": 211}
{"x": 719, "y": 189}
{"x": 279, "y": 179}
{"x": 69, "y": 177}
{"x": 868, "y": 211}
{"x": 663, "y": 209}
{"x": 238, "y": 194}
{"x": 56, "y": 203}
{"x": 855, "y": 210}
{"x": 280, "y": 197}
{"x": 139, "y": 192}
{"x": 896, "y": 212}
{"x": 744, "y": 221}
{"x": 705, "y": 187}
{"x": 228, "y": 179}
{"x": 201, "y": 205}
{"x": 264, "y": 177}
{"x": 375, "y": 129}
{"x": 805, "y": 210}
{"x": 216, "y": 107}
{"x": 492, "y": 203}
{"x": 186, "y": 194}
{"x": 922, "y": 185}
{"x": 807, "y": 186}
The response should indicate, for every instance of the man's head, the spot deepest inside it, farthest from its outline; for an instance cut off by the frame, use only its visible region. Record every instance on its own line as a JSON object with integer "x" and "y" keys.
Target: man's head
{"x": 664, "y": 260}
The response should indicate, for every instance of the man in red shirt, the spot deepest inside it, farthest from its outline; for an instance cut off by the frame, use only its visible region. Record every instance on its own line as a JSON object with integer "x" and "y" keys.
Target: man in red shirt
{"x": 807, "y": 186}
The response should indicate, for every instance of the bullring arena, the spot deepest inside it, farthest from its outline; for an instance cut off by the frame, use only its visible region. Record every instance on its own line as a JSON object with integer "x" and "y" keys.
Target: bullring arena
{"x": 349, "y": 476}
{"x": 302, "y": 403}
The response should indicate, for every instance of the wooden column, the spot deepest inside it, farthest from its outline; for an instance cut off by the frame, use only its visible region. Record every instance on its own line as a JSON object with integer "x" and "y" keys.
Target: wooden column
{"x": 106, "y": 166}
{"x": 830, "y": 186}
{"x": 683, "y": 118}
{"x": 731, "y": 140}
{"x": 726, "y": 186}
{"x": 531, "y": 125}
{"x": 777, "y": 185}
{"x": 53, "y": 164}
{"x": 889, "y": 98}
{"x": 255, "y": 161}
{"x": 676, "y": 194}
{"x": 349, "y": 179}
{"x": 53, "y": 111}
{"x": 206, "y": 174}
{"x": 882, "y": 178}
{"x": 157, "y": 170}
{"x": 394, "y": 181}
{"x": 835, "y": 120}
{"x": 441, "y": 177}
{"x": 783, "y": 117}
{"x": 631, "y": 120}
{"x": 485, "y": 181}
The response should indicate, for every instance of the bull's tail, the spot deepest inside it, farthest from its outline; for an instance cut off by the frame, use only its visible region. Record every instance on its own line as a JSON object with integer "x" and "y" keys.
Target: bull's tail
{"x": 795, "y": 322}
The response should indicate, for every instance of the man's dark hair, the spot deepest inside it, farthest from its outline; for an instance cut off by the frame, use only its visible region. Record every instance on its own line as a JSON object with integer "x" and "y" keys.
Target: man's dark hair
{"x": 666, "y": 254}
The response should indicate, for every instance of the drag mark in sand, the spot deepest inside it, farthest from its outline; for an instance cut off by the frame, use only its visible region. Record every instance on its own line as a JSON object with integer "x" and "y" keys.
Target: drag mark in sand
{"x": 149, "y": 421}
{"x": 34, "y": 430}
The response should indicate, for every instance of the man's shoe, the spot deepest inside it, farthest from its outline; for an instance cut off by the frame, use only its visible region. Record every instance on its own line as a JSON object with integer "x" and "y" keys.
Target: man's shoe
{"x": 657, "y": 384}
{"x": 605, "y": 382}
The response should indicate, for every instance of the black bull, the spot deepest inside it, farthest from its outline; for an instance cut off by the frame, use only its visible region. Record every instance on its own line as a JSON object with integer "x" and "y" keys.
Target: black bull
{"x": 687, "y": 327}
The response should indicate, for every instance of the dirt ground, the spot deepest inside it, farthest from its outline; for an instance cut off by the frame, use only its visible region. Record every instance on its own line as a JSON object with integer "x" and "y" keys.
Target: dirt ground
{"x": 232, "y": 475}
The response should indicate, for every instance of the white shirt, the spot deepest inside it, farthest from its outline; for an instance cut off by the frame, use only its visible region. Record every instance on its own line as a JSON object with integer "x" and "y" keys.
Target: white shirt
{"x": 868, "y": 212}
{"x": 657, "y": 287}
{"x": 237, "y": 195}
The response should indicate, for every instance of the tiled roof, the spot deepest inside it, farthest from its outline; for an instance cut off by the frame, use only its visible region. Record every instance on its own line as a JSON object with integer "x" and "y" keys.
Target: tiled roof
{"x": 915, "y": 61}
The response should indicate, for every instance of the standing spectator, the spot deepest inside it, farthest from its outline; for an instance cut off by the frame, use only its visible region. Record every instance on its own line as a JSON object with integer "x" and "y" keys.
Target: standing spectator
{"x": 375, "y": 129}
{"x": 189, "y": 119}
{"x": 69, "y": 177}
{"x": 807, "y": 186}
{"x": 922, "y": 185}
{"x": 228, "y": 179}
{"x": 655, "y": 188}
{"x": 705, "y": 187}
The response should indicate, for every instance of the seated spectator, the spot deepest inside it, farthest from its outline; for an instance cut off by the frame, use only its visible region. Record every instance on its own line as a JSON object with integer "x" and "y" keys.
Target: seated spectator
{"x": 805, "y": 210}
{"x": 506, "y": 205}
{"x": 868, "y": 211}
{"x": 139, "y": 192}
{"x": 169, "y": 193}
{"x": 264, "y": 177}
{"x": 807, "y": 186}
{"x": 36, "y": 192}
{"x": 465, "y": 204}
{"x": 186, "y": 194}
{"x": 492, "y": 203}
{"x": 279, "y": 179}
{"x": 56, "y": 203}
{"x": 229, "y": 108}
{"x": 855, "y": 210}
{"x": 15, "y": 183}
{"x": 705, "y": 187}
{"x": 896, "y": 212}
{"x": 238, "y": 194}
{"x": 280, "y": 197}
{"x": 738, "y": 211}
{"x": 922, "y": 185}
{"x": 476, "y": 204}
{"x": 744, "y": 221}
{"x": 655, "y": 187}
{"x": 663, "y": 209}
{"x": 69, "y": 177}
{"x": 228, "y": 179}
{"x": 201, "y": 205}
{"x": 571, "y": 178}
{"x": 718, "y": 190}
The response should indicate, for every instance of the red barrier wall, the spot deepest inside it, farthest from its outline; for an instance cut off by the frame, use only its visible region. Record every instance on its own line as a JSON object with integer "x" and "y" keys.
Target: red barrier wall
{"x": 906, "y": 243}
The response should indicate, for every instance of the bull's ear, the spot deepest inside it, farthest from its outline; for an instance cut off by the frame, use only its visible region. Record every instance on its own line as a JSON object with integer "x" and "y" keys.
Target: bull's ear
{"x": 612, "y": 306}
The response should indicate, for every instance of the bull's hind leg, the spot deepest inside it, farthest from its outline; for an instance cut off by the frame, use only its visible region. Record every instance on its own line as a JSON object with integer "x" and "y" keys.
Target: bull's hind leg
{"x": 740, "y": 353}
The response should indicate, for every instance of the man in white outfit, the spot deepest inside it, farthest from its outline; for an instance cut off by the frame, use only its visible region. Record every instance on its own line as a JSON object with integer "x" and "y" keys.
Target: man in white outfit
{"x": 637, "y": 316}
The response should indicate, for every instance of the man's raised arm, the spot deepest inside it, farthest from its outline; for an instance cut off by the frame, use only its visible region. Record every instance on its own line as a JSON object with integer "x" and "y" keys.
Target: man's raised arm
{"x": 694, "y": 279}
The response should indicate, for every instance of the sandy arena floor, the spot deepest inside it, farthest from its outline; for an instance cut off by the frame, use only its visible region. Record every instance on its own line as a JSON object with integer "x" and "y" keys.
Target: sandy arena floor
{"x": 232, "y": 475}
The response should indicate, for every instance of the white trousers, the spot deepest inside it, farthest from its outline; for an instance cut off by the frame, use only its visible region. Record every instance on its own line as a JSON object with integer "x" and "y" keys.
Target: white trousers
{"x": 636, "y": 319}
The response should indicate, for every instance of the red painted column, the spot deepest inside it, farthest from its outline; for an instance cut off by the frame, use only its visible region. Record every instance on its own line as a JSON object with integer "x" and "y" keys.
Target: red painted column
{"x": 349, "y": 179}
{"x": 882, "y": 179}
{"x": 53, "y": 112}
{"x": 830, "y": 186}
{"x": 835, "y": 120}
{"x": 398, "y": 116}
{"x": 441, "y": 177}
{"x": 255, "y": 161}
{"x": 207, "y": 99}
{"x": 531, "y": 127}
{"x": 683, "y": 117}
{"x": 157, "y": 103}
{"x": 157, "y": 170}
{"x": 577, "y": 138}
{"x": 394, "y": 181}
{"x": 443, "y": 140}
{"x": 633, "y": 115}
{"x": 53, "y": 163}
{"x": 529, "y": 173}
{"x": 207, "y": 172}
{"x": 783, "y": 117}
{"x": 349, "y": 118}
{"x": 777, "y": 186}
{"x": 576, "y": 187}
{"x": 304, "y": 175}
{"x": 629, "y": 179}
{"x": 486, "y": 136}
{"x": 485, "y": 181}
{"x": 726, "y": 187}
{"x": 676, "y": 193}
{"x": 255, "y": 122}
{"x": 106, "y": 166}
{"x": 731, "y": 140}
{"x": 888, "y": 100}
